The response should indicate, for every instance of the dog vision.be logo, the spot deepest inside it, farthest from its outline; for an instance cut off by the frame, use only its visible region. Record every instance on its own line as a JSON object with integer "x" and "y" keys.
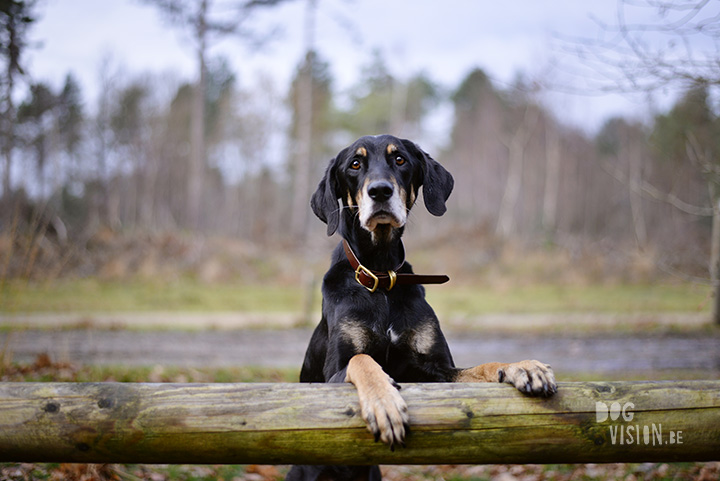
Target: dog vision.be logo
{"x": 629, "y": 434}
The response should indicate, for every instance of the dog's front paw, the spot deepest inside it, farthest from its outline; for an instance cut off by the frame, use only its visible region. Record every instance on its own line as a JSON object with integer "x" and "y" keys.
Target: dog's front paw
{"x": 529, "y": 377}
{"x": 385, "y": 412}
{"x": 381, "y": 405}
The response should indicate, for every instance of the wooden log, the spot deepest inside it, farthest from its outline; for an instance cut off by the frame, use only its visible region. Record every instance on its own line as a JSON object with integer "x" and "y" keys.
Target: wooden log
{"x": 320, "y": 424}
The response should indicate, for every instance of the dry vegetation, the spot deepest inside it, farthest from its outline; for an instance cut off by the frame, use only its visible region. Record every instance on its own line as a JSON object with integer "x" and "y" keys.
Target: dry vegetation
{"x": 472, "y": 257}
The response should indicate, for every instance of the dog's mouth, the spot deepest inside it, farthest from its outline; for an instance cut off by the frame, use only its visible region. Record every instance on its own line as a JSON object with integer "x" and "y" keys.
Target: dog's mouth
{"x": 383, "y": 218}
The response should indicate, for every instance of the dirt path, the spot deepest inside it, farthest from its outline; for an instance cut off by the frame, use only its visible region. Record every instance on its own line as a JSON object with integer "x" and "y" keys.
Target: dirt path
{"x": 285, "y": 348}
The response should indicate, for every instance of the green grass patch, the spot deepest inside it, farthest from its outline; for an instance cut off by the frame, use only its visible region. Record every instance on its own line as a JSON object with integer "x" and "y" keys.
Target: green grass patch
{"x": 537, "y": 299}
{"x": 187, "y": 295}
{"x": 92, "y": 295}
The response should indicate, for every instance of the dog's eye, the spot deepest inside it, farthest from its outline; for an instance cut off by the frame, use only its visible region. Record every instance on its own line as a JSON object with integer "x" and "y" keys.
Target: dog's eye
{"x": 356, "y": 164}
{"x": 399, "y": 160}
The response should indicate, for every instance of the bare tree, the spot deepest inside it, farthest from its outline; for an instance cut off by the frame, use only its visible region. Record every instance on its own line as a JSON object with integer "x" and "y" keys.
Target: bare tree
{"x": 301, "y": 191}
{"x": 516, "y": 145}
{"x": 552, "y": 178}
{"x": 476, "y": 150}
{"x": 207, "y": 20}
{"x": 678, "y": 47}
{"x": 36, "y": 122}
{"x": 15, "y": 20}
{"x": 104, "y": 195}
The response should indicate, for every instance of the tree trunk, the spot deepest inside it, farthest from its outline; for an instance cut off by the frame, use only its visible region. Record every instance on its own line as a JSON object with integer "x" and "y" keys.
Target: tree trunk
{"x": 9, "y": 141}
{"x": 286, "y": 423}
{"x": 636, "y": 200}
{"x": 301, "y": 192}
{"x": 516, "y": 147}
{"x": 715, "y": 254}
{"x": 196, "y": 169}
{"x": 7, "y": 154}
{"x": 552, "y": 179}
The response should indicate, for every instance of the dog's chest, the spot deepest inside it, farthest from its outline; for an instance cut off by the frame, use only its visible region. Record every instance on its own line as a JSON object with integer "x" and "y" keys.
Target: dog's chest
{"x": 418, "y": 338}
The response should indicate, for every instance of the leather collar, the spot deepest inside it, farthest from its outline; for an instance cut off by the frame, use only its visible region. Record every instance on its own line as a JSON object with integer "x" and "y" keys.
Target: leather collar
{"x": 372, "y": 280}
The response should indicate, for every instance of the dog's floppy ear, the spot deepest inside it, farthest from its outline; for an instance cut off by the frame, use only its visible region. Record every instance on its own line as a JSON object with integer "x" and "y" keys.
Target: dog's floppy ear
{"x": 437, "y": 182}
{"x": 324, "y": 201}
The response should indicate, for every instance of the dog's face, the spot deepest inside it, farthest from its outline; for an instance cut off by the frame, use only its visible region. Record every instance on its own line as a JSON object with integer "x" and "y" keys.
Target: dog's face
{"x": 379, "y": 183}
{"x": 377, "y": 179}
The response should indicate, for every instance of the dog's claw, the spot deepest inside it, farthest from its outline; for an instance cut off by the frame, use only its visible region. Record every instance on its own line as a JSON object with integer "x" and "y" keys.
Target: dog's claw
{"x": 548, "y": 389}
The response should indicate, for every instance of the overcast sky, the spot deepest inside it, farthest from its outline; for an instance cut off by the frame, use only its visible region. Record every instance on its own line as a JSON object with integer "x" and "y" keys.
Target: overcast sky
{"x": 444, "y": 38}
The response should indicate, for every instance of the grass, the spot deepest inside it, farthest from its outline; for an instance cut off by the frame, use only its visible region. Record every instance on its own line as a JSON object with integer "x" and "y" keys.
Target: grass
{"x": 617, "y": 298}
{"x": 93, "y": 295}
{"x": 188, "y": 295}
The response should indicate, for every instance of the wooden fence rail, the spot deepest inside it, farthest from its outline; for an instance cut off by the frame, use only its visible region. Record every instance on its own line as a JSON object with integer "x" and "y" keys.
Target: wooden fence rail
{"x": 320, "y": 424}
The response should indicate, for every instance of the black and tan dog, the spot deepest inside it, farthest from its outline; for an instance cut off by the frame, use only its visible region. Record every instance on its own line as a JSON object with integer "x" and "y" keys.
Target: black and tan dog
{"x": 376, "y": 326}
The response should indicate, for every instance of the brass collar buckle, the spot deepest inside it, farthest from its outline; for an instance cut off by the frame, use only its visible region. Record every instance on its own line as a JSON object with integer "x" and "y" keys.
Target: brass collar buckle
{"x": 392, "y": 275}
{"x": 393, "y": 279}
{"x": 369, "y": 273}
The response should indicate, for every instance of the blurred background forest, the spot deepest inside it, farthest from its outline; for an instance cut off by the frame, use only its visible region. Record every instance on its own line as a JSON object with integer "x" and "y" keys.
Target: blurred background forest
{"x": 149, "y": 217}
{"x": 121, "y": 184}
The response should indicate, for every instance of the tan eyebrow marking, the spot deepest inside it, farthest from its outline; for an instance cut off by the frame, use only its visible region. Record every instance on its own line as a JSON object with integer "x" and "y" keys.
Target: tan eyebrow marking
{"x": 391, "y": 148}
{"x": 361, "y": 151}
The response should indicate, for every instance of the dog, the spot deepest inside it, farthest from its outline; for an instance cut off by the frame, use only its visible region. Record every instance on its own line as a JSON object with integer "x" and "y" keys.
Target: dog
{"x": 376, "y": 327}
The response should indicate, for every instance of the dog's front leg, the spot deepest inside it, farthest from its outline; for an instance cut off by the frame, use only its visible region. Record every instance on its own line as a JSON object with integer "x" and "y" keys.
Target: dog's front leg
{"x": 529, "y": 377}
{"x": 382, "y": 407}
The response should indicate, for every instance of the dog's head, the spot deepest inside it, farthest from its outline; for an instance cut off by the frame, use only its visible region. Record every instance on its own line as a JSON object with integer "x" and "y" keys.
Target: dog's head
{"x": 377, "y": 179}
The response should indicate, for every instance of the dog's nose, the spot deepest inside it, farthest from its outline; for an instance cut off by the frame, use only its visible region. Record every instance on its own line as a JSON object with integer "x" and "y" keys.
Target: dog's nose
{"x": 380, "y": 190}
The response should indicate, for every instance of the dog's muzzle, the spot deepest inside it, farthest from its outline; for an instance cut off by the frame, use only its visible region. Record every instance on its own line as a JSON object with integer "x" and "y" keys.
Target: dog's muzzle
{"x": 382, "y": 205}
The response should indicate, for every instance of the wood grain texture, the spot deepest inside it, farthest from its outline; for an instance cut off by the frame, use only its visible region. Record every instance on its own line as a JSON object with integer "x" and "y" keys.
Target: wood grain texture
{"x": 459, "y": 423}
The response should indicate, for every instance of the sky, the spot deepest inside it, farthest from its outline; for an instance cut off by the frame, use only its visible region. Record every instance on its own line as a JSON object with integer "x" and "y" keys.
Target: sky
{"x": 445, "y": 39}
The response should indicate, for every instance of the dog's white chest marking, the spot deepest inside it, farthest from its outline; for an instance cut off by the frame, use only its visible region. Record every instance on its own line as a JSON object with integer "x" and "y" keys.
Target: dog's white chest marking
{"x": 394, "y": 337}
